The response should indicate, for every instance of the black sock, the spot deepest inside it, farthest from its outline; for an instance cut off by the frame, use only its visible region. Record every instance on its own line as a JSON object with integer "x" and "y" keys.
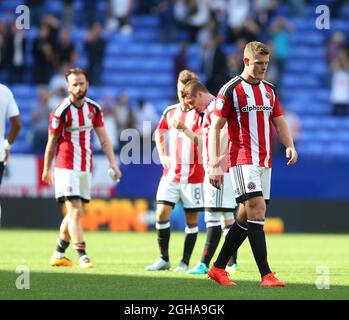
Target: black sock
{"x": 233, "y": 240}
{"x": 80, "y": 248}
{"x": 213, "y": 235}
{"x": 62, "y": 245}
{"x": 164, "y": 232}
{"x": 256, "y": 237}
{"x": 233, "y": 259}
{"x": 191, "y": 234}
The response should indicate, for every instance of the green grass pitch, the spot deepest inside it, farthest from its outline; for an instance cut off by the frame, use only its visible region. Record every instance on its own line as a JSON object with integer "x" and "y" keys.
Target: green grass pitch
{"x": 120, "y": 259}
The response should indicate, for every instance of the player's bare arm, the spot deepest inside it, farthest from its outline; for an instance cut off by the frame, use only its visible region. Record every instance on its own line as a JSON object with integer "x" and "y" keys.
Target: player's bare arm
{"x": 16, "y": 125}
{"x": 107, "y": 148}
{"x": 48, "y": 158}
{"x": 285, "y": 137}
{"x": 214, "y": 151}
{"x": 161, "y": 147}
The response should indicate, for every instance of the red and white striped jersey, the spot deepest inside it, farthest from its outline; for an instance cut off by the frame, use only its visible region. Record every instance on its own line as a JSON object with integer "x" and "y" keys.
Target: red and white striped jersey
{"x": 249, "y": 109}
{"x": 75, "y": 124}
{"x": 186, "y": 160}
{"x": 206, "y": 127}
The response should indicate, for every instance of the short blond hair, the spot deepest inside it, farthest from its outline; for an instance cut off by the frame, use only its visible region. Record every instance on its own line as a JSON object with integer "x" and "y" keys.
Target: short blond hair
{"x": 187, "y": 75}
{"x": 192, "y": 88}
{"x": 254, "y": 48}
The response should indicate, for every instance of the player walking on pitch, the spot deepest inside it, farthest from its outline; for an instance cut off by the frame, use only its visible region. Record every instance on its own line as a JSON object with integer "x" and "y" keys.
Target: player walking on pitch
{"x": 249, "y": 105}
{"x": 182, "y": 178}
{"x": 70, "y": 129}
{"x": 220, "y": 205}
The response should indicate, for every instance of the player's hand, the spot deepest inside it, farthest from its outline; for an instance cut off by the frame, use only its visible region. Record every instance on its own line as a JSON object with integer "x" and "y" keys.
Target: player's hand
{"x": 292, "y": 154}
{"x": 166, "y": 162}
{"x": 216, "y": 180}
{"x": 47, "y": 176}
{"x": 179, "y": 125}
{"x": 117, "y": 172}
{"x": 7, "y": 154}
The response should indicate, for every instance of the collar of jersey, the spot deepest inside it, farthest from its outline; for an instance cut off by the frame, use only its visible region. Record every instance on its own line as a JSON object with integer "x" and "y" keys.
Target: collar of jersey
{"x": 252, "y": 84}
{"x": 71, "y": 102}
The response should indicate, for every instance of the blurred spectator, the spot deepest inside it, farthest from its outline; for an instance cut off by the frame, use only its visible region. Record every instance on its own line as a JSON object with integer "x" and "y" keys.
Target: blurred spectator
{"x": 180, "y": 61}
{"x": 334, "y": 45}
{"x": 95, "y": 47}
{"x": 54, "y": 26}
{"x": 65, "y": 50}
{"x": 215, "y": 65}
{"x": 67, "y": 20}
{"x": 340, "y": 84}
{"x": 198, "y": 15}
{"x": 58, "y": 86}
{"x": 145, "y": 111}
{"x": 43, "y": 55}
{"x": 123, "y": 115}
{"x": 107, "y": 103}
{"x": 237, "y": 11}
{"x": 36, "y": 11}
{"x": 206, "y": 33}
{"x": 39, "y": 120}
{"x": 264, "y": 10}
{"x": 280, "y": 31}
{"x": 121, "y": 11}
{"x": 16, "y": 46}
{"x": 249, "y": 31}
{"x": 168, "y": 27}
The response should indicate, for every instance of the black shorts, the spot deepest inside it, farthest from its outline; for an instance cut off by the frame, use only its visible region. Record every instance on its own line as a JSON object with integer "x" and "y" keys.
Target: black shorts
{"x": 2, "y": 167}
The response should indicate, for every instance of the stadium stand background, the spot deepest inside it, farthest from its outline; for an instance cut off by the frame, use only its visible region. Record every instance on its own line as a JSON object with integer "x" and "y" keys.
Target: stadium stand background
{"x": 140, "y": 63}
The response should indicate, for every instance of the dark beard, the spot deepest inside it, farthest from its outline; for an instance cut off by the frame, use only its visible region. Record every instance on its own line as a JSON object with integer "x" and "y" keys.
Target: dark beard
{"x": 81, "y": 95}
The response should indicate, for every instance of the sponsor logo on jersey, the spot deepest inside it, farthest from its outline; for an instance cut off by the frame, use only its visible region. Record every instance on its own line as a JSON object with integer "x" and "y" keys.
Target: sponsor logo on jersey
{"x": 248, "y": 108}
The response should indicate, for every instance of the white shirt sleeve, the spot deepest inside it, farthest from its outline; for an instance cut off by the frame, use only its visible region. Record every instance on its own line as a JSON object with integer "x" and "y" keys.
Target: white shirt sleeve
{"x": 12, "y": 108}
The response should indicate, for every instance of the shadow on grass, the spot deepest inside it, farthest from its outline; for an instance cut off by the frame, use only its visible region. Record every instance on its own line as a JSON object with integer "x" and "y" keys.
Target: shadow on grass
{"x": 157, "y": 286}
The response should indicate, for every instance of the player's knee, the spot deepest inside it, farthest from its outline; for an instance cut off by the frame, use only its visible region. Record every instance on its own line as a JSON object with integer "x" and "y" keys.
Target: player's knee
{"x": 191, "y": 218}
{"x": 256, "y": 209}
{"x": 163, "y": 213}
{"x": 76, "y": 213}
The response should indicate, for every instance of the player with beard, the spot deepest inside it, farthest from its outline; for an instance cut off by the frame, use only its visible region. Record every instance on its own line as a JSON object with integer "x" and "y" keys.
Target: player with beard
{"x": 70, "y": 129}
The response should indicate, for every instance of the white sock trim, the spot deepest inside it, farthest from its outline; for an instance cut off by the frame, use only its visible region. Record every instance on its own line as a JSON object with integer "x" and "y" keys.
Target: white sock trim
{"x": 191, "y": 230}
{"x": 213, "y": 224}
{"x": 160, "y": 226}
{"x": 240, "y": 226}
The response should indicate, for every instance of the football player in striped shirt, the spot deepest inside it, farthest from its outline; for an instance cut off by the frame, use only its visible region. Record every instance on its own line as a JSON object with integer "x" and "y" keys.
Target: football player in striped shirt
{"x": 250, "y": 105}
{"x": 70, "y": 129}
{"x": 182, "y": 178}
{"x": 220, "y": 205}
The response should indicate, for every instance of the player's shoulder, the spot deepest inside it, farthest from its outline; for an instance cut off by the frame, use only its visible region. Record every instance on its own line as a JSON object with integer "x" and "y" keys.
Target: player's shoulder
{"x": 270, "y": 85}
{"x": 5, "y": 91}
{"x": 171, "y": 107}
{"x": 62, "y": 107}
{"x": 230, "y": 85}
{"x": 93, "y": 103}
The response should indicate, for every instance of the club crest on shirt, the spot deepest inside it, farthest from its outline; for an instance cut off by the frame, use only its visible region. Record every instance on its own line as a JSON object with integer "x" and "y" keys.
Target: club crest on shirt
{"x": 268, "y": 95}
{"x": 55, "y": 123}
{"x": 90, "y": 115}
{"x": 69, "y": 189}
{"x": 219, "y": 104}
